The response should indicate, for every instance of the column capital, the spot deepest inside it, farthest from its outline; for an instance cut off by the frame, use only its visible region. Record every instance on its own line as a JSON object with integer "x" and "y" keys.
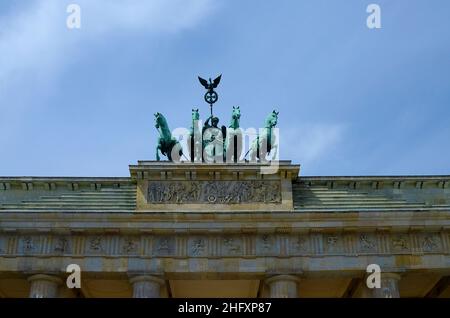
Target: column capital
{"x": 282, "y": 277}
{"x": 283, "y": 286}
{"x": 147, "y": 286}
{"x": 147, "y": 278}
{"x": 44, "y": 286}
{"x": 45, "y": 277}
{"x": 391, "y": 275}
{"x": 389, "y": 286}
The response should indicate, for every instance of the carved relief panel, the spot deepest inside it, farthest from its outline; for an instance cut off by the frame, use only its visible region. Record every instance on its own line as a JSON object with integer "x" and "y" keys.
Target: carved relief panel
{"x": 220, "y": 192}
{"x": 232, "y": 245}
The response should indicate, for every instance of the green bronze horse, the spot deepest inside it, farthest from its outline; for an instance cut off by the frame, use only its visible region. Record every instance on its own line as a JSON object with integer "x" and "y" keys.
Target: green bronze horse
{"x": 265, "y": 142}
{"x": 166, "y": 143}
{"x": 233, "y": 141}
{"x": 194, "y": 143}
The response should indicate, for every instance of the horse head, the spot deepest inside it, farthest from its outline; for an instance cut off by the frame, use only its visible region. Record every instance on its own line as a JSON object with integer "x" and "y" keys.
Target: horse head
{"x": 159, "y": 120}
{"x": 195, "y": 114}
{"x": 156, "y": 120}
{"x": 236, "y": 114}
{"x": 272, "y": 119}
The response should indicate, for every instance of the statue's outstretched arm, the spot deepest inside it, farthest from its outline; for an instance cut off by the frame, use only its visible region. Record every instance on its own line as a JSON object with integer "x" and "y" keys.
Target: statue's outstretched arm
{"x": 207, "y": 121}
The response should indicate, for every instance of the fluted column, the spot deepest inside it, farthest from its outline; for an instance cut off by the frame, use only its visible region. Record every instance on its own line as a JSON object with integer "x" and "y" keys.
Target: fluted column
{"x": 283, "y": 286}
{"x": 44, "y": 286}
{"x": 389, "y": 286}
{"x": 145, "y": 286}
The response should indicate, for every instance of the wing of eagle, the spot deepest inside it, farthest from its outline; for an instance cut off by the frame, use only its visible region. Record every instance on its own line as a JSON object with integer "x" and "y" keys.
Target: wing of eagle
{"x": 204, "y": 82}
{"x": 216, "y": 81}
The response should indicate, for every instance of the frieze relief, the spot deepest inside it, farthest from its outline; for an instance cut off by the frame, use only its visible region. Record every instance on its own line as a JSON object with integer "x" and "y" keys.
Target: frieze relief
{"x": 61, "y": 245}
{"x": 95, "y": 245}
{"x": 400, "y": 243}
{"x": 214, "y": 192}
{"x": 29, "y": 244}
{"x": 130, "y": 246}
{"x": 300, "y": 244}
{"x": 430, "y": 242}
{"x": 197, "y": 247}
{"x": 164, "y": 246}
{"x": 367, "y": 243}
{"x": 232, "y": 245}
{"x": 333, "y": 244}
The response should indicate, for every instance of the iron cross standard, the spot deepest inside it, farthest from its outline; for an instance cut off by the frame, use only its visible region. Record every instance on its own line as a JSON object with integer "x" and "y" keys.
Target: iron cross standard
{"x": 210, "y": 96}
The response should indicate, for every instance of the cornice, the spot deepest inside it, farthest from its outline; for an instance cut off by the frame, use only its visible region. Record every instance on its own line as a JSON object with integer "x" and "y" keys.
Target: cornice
{"x": 231, "y": 222}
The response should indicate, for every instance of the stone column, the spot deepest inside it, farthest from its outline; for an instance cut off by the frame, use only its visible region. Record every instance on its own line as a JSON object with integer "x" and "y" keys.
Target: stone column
{"x": 44, "y": 286}
{"x": 389, "y": 287}
{"x": 145, "y": 286}
{"x": 283, "y": 286}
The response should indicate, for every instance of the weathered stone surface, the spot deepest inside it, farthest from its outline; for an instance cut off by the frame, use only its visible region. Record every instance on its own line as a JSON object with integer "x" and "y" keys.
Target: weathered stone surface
{"x": 283, "y": 286}
{"x": 44, "y": 286}
{"x": 223, "y": 187}
{"x": 312, "y": 228}
{"x": 224, "y": 192}
{"x": 146, "y": 286}
{"x": 225, "y": 245}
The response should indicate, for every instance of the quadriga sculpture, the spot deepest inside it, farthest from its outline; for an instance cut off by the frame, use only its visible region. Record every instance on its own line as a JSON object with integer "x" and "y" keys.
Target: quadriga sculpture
{"x": 265, "y": 142}
{"x": 194, "y": 143}
{"x": 167, "y": 144}
{"x": 233, "y": 141}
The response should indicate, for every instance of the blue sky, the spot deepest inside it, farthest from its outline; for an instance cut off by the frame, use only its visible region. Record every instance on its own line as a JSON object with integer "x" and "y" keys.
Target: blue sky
{"x": 352, "y": 101}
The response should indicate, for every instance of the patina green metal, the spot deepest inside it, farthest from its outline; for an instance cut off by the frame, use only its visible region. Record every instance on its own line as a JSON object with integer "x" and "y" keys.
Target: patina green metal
{"x": 210, "y": 96}
{"x": 194, "y": 143}
{"x": 166, "y": 142}
{"x": 211, "y": 141}
{"x": 266, "y": 140}
{"x": 233, "y": 140}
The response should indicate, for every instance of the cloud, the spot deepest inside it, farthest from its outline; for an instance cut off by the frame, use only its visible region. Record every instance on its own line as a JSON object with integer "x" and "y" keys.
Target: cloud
{"x": 36, "y": 46}
{"x": 153, "y": 16}
{"x": 35, "y": 41}
{"x": 310, "y": 142}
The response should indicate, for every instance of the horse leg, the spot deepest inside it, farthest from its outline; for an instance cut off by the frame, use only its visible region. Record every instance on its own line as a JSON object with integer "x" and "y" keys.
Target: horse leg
{"x": 240, "y": 143}
{"x": 176, "y": 150}
{"x": 260, "y": 148}
{"x": 180, "y": 151}
{"x": 227, "y": 149}
{"x": 191, "y": 148}
{"x": 274, "y": 152}
{"x": 236, "y": 145}
{"x": 158, "y": 148}
{"x": 253, "y": 151}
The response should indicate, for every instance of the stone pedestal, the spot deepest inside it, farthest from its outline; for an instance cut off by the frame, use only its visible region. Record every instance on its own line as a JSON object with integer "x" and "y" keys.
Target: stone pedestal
{"x": 283, "y": 286}
{"x": 44, "y": 286}
{"x": 172, "y": 187}
{"x": 146, "y": 286}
